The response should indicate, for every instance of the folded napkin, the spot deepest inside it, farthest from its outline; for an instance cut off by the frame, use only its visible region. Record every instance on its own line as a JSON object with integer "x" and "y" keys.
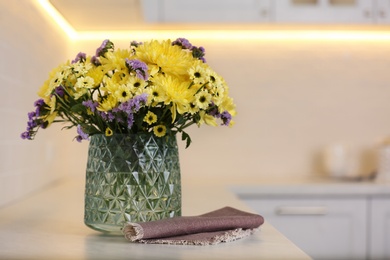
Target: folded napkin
{"x": 222, "y": 225}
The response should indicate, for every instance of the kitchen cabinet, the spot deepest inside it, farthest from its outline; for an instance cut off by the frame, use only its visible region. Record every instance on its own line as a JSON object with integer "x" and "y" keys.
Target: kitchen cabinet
{"x": 216, "y": 11}
{"x": 324, "y": 11}
{"x": 382, "y": 11}
{"x": 380, "y": 229}
{"x": 345, "y": 12}
{"x": 328, "y": 220}
{"x": 324, "y": 228}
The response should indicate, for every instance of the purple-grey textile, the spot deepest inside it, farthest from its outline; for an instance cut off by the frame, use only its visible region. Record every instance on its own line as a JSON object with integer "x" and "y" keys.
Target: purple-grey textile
{"x": 222, "y": 225}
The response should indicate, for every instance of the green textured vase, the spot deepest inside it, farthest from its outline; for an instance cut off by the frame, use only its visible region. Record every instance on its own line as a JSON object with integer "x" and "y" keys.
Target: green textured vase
{"x": 131, "y": 178}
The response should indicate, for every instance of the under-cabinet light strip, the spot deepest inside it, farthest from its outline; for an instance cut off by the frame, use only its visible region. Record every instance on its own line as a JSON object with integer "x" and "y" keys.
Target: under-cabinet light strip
{"x": 293, "y": 34}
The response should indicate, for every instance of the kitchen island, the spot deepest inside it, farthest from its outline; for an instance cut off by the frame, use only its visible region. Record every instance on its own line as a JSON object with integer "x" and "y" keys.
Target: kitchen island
{"x": 49, "y": 225}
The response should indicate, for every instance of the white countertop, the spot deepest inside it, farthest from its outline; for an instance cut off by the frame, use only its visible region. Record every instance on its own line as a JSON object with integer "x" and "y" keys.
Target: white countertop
{"x": 49, "y": 225}
{"x": 314, "y": 187}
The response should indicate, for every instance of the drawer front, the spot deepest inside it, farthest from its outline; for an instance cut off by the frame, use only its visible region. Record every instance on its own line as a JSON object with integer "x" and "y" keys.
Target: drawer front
{"x": 324, "y": 228}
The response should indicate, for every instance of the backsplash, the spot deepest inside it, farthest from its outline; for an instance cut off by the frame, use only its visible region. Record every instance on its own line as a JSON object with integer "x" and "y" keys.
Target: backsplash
{"x": 31, "y": 48}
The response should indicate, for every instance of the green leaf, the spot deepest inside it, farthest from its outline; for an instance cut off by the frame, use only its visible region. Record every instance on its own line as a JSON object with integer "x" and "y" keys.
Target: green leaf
{"x": 187, "y": 138}
{"x": 78, "y": 108}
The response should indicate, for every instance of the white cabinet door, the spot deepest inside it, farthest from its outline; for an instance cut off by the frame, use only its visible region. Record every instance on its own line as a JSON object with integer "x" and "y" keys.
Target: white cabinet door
{"x": 215, "y": 11}
{"x": 324, "y": 228}
{"x": 324, "y": 11}
{"x": 380, "y": 229}
{"x": 382, "y": 11}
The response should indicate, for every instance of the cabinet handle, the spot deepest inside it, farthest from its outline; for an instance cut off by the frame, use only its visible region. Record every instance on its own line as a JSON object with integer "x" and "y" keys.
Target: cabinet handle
{"x": 263, "y": 12}
{"x": 367, "y": 14}
{"x": 286, "y": 210}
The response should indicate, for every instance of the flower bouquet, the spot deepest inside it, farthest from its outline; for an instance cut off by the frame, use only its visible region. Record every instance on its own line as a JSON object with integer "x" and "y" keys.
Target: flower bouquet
{"x": 131, "y": 103}
{"x": 159, "y": 87}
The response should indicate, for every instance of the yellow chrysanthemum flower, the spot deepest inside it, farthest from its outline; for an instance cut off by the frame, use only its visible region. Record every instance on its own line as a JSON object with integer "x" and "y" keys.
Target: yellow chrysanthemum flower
{"x": 178, "y": 94}
{"x": 193, "y": 109}
{"x": 97, "y": 75}
{"x": 46, "y": 88}
{"x": 84, "y": 82}
{"x": 109, "y": 85}
{"x": 52, "y": 104}
{"x": 199, "y": 73}
{"x": 228, "y": 105}
{"x": 80, "y": 69}
{"x": 136, "y": 85}
{"x": 217, "y": 94}
{"x": 56, "y": 77}
{"x": 115, "y": 60}
{"x": 202, "y": 99}
{"x": 122, "y": 93}
{"x": 207, "y": 119}
{"x": 107, "y": 103}
{"x": 82, "y": 85}
{"x": 172, "y": 59}
{"x": 214, "y": 78}
{"x": 156, "y": 94}
{"x": 120, "y": 77}
{"x": 109, "y": 132}
{"x": 159, "y": 130}
{"x": 150, "y": 118}
{"x": 50, "y": 118}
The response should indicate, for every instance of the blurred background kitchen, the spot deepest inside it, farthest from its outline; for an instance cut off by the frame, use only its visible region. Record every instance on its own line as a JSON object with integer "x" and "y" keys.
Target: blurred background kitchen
{"x": 310, "y": 79}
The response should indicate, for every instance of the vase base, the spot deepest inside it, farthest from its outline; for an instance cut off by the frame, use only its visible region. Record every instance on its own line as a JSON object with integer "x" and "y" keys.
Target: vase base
{"x": 107, "y": 229}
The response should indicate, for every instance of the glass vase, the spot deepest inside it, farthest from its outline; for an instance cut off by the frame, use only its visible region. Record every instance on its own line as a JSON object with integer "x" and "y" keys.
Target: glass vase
{"x": 134, "y": 178}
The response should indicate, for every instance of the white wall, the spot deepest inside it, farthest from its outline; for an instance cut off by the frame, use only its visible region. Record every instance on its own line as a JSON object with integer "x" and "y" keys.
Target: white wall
{"x": 293, "y": 98}
{"x": 30, "y": 47}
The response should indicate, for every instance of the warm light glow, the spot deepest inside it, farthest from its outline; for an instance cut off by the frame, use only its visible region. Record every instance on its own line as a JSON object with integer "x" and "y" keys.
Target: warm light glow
{"x": 239, "y": 35}
{"x": 223, "y": 34}
{"x": 58, "y": 18}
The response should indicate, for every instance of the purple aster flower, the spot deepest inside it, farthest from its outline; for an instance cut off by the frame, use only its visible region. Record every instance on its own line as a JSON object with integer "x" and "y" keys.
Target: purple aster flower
{"x": 139, "y": 101}
{"x": 26, "y": 135}
{"x": 133, "y": 105}
{"x": 183, "y": 42}
{"x": 31, "y": 124}
{"x": 103, "y": 115}
{"x": 82, "y": 135}
{"x": 104, "y": 47}
{"x": 80, "y": 57}
{"x": 101, "y": 48}
{"x": 39, "y": 103}
{"x": 31, "y": 115}
{"x": 116, "y": 110}
{"x": 111, "y": 116}
{"x": 95, "y": 61}
{"x": 135, "y": 43}
{"x": 125, "y": 107}
{"x": 214, "y": 112}
{"x": 140, "y": 68}
{"x": 130, "y": 120}
{"x": 38, "y": 111}
{"x": 198, "y": 52}
{"x": 226, "y": 118}
{"x": 91, "y": 105}
{"x": 60, "y": 91}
